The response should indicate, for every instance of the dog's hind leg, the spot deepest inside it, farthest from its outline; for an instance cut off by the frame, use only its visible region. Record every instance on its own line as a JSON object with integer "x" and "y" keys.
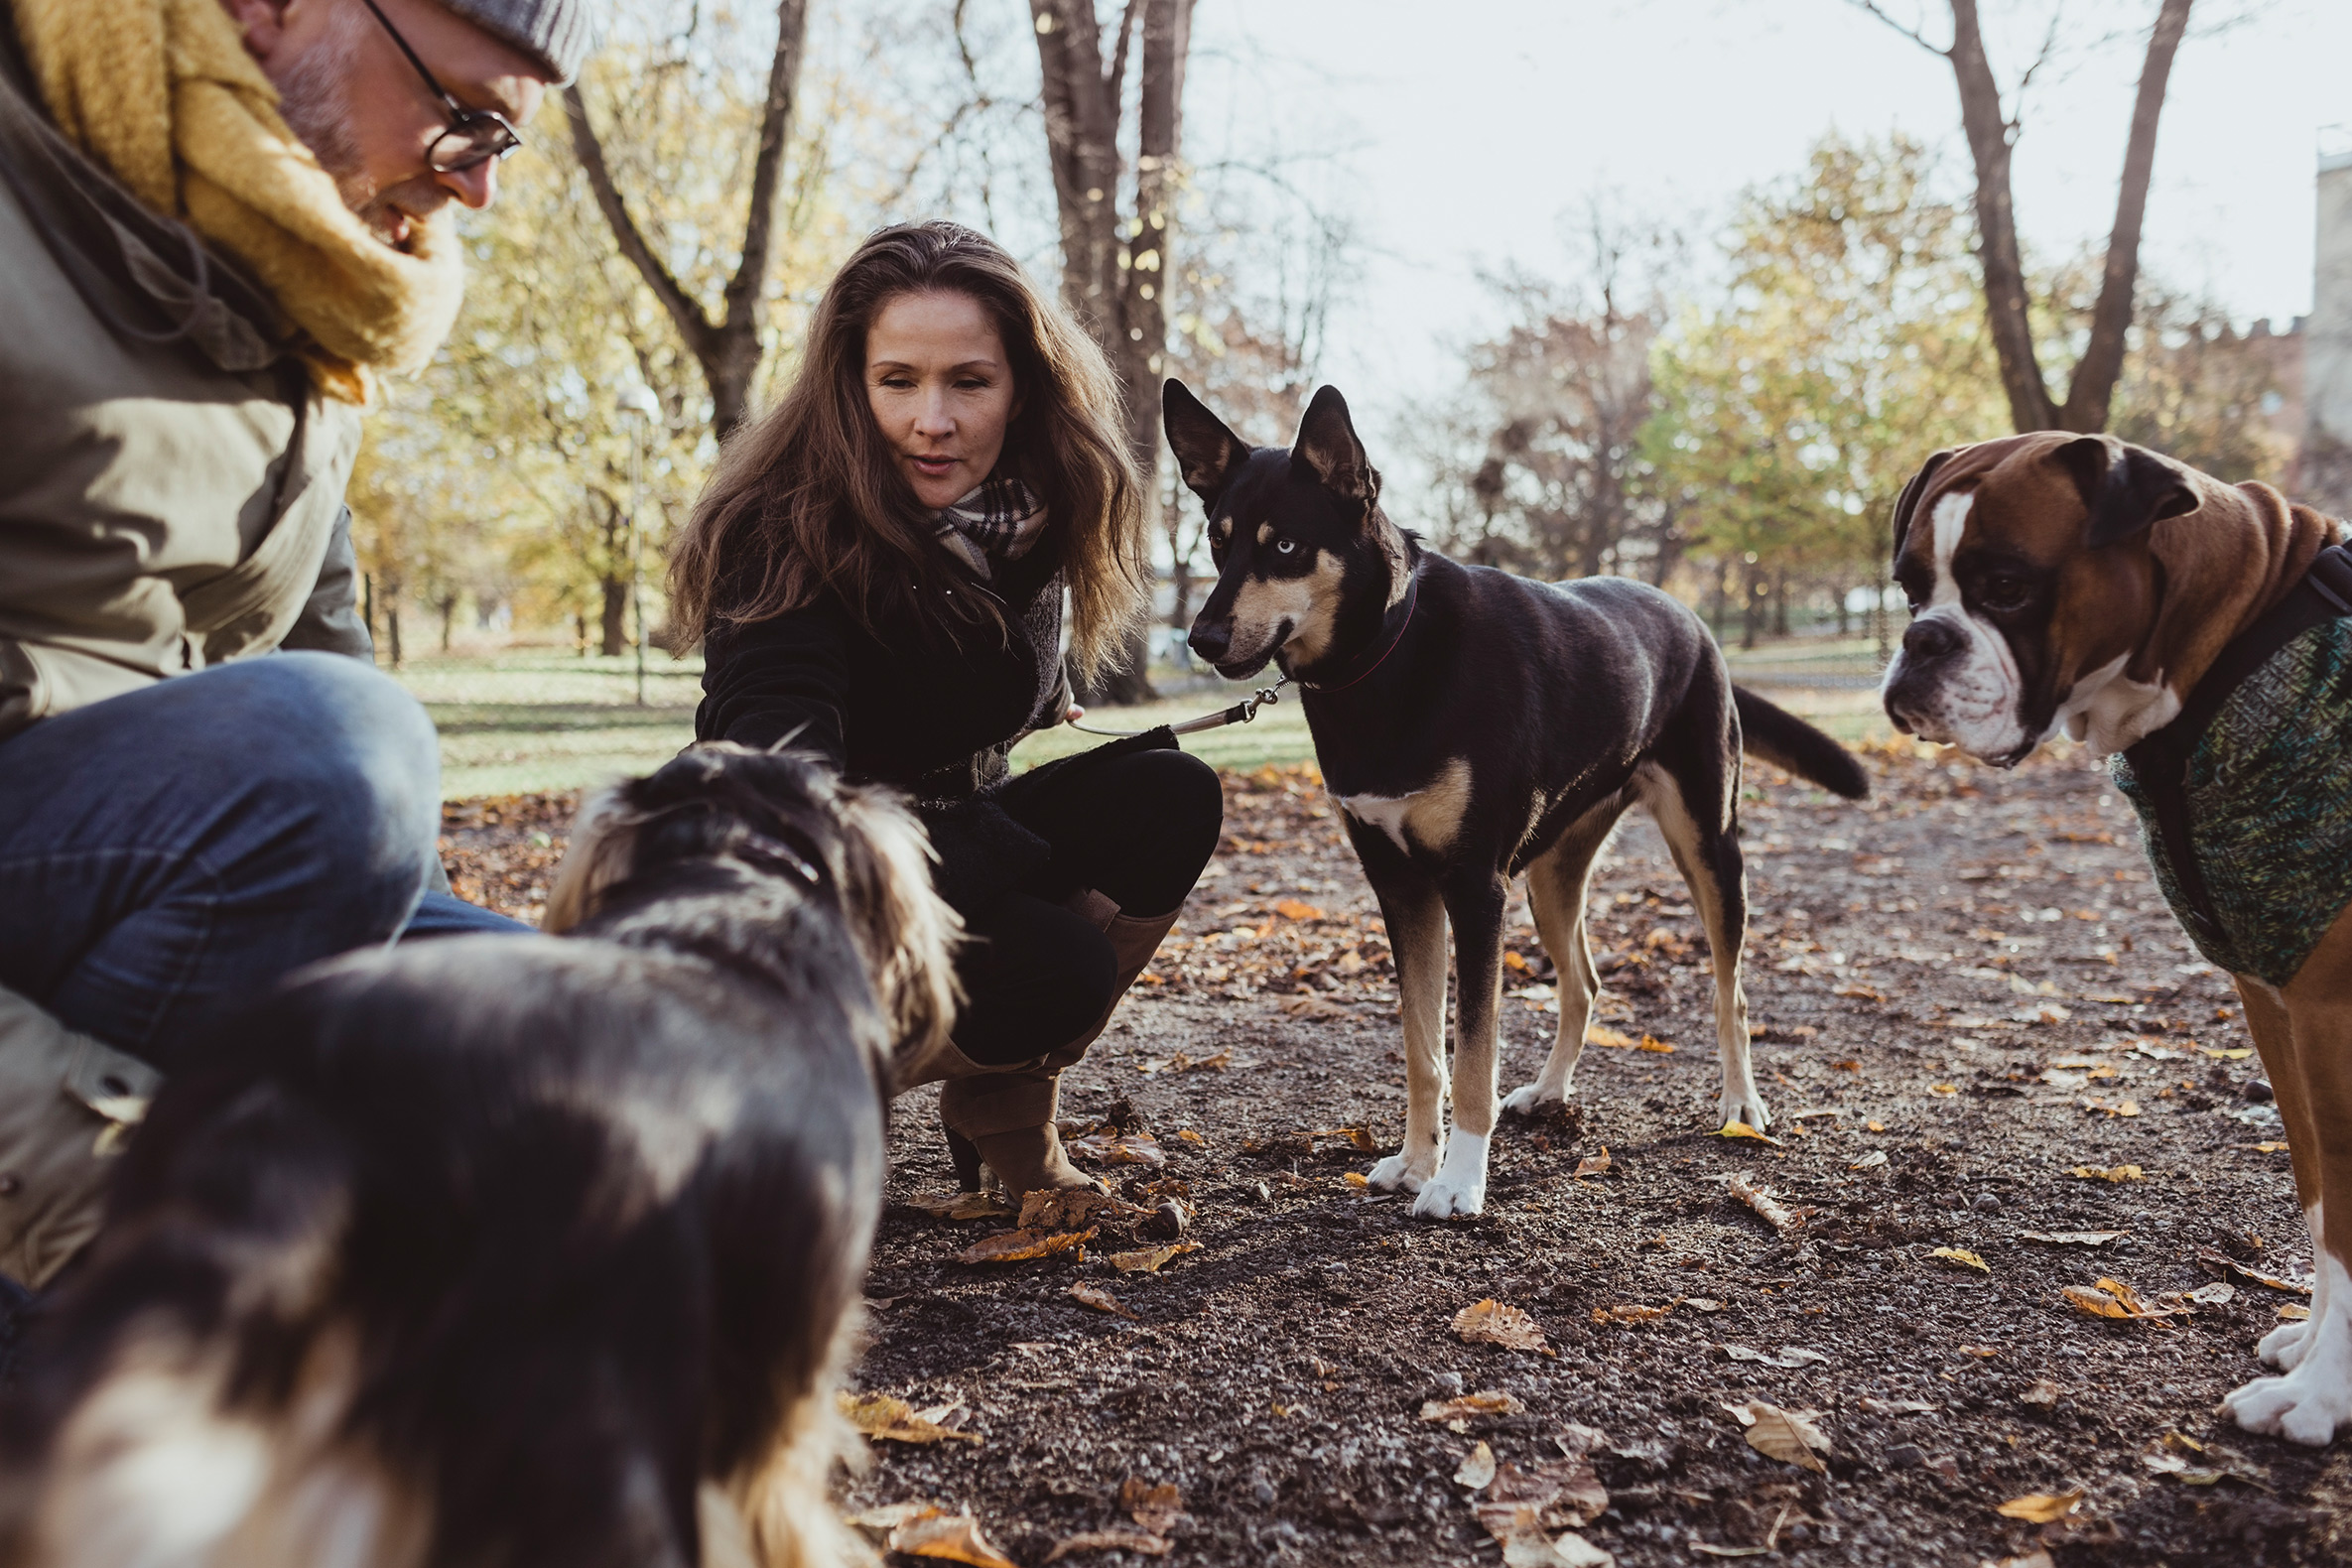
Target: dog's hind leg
{"x": 1693, "y": 806}
{"x": 1459, "y": 1189}
{"x": 1416, "y": 919}
{"x": 1559, "y": 885}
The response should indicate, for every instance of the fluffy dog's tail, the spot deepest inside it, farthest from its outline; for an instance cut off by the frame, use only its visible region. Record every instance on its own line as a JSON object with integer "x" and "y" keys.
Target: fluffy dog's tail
{"x": 1787, "y": 742}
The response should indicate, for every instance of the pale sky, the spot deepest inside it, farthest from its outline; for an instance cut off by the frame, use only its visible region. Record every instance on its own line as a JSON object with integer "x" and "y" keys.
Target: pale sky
{"x": 1464, "y": 129}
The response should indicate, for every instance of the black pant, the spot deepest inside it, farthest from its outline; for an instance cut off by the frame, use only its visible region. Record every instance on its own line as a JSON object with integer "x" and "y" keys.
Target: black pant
{"x": 1136, "y": 828}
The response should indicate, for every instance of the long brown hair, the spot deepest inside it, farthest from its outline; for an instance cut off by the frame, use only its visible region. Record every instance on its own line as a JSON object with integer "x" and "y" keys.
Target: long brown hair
{"x": 808, "y": 501}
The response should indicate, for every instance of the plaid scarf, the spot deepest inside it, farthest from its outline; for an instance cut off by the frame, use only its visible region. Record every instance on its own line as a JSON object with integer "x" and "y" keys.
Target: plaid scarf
{"x": 997, "y": 520}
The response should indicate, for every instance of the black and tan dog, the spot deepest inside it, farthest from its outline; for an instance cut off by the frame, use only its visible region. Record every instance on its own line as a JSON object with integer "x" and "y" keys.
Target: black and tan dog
{"x": 513, "y": 1251}
{"x": 1474, "y": 726}
{"x": 2204, "y": 631}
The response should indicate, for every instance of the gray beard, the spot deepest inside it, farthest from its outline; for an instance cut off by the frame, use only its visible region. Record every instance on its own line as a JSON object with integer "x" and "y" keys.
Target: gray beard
{"x": 312, "y": 103}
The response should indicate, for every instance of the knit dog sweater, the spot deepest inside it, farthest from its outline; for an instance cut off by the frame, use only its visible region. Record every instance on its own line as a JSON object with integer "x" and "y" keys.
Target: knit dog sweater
{"x": 2270, "y": 805}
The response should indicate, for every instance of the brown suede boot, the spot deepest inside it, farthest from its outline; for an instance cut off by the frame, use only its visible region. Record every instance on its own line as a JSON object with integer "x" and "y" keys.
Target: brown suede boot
{"x": 1004, "y": 1119}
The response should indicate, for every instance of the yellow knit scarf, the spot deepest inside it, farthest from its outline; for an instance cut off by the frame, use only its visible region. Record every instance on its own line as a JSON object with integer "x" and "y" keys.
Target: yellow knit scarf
{"x": 163, "y": 93}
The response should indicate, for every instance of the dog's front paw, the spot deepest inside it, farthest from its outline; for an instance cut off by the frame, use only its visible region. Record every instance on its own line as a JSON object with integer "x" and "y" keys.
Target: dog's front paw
{"x": 1397, "y": 1171}
{"x": 2283, "y": 1346}
{"x": 2303, "y": 1407}
{"x": 1522, "y": 1101}
{"x": 1743, "y": 1105}
{"x": 1459, "y": 1189}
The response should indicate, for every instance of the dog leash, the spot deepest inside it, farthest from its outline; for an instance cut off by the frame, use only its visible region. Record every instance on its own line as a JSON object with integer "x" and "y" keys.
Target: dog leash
{"x": 1239, "y": 713}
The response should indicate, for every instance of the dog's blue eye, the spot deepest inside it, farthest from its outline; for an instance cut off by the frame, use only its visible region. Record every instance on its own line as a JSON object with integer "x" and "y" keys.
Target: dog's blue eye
{"x": 1284, "y": 547}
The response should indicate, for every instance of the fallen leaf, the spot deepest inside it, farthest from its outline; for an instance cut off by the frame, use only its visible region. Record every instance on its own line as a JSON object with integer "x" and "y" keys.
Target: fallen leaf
{"x": 1789, "y": 1355}
{"x": 2212, "y": 1258}
{"x": 964, "y": 1206}
{"x": 1190, "y": 1136}
{"x": 1108, "y": 1146}
{"x": 2273, "y": 1147}
{"x": 1710, "y": 1549}
{"x": 1599, "y": 1034}
{"x": 1942, "y": 1088}
{"x": 1477, "y": 1468}
{"x": 1627, "y": 1314}
{"x": 1741, "y": 1129}
{"x": 1115, "y": 1539}
{"x": 2033, "y": 1559}
{"x": 1859, "y": 993}
{"x": 2041, "y": 1508}
{"x": 1962, "y": 1257}
{"x": 1357, "y": 1137}
{"x": 1870, "y": 1162}
{"x": 1467, "y": 1406}
{"x": 2070, "y": 1237}
{"x": 1702, "y": 1304}
{"x": 1155, "y": 1507}
{"x": 1650, "y": 1042}
{"x": 2294, "y": 1312}
{"x": 1592, "y": 1164}
{"x": 1016, "y": 1246}
{"x": 1559, "y": 1492}
{"x": 2109, "y": 1172}
{"x": 1357, "y": 1179}
{"x": 1770, "y": 1209}
{"x": 1148, "y": 1260}
{"x": 1877, "y": 1406}
{"x": 1100, "y": 1299}
{"x": 1293, "y": 909}
{"x": 1073, "y": 1208}
{"x": 885, "y": 1419}
{"x": 2112, "y": 1298}
{"x": 1986, "y": 1351}
{"x": 1845, "y": 1067}
{"x": 1541, "y": 1550}
{"x": 1493, "y": 1322}
{"x": 957, "y": 1537}
{"x": 1787, "y": 1435}
{"x": 1310, "y": 1005}
{"x": 1874, "y": 1125}
{"x": 892, "y": 1514}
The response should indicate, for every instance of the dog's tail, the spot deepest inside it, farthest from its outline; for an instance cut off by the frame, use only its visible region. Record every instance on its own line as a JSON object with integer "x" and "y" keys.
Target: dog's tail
{"x": 1787, "y": 742}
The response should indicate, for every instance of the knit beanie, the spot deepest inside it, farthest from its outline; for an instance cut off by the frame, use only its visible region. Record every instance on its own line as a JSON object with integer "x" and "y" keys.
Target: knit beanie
{"x": 553, "y": 33}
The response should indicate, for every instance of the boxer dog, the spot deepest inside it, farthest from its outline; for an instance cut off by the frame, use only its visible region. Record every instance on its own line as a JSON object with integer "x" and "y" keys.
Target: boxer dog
{"x": 2079, "y": 582}
{"x": 1473, "y": 726}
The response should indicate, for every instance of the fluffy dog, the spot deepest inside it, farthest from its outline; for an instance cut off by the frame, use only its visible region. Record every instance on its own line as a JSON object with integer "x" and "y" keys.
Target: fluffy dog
{"x": 1474, "y": 727}
{"x": 513, "y": 1251}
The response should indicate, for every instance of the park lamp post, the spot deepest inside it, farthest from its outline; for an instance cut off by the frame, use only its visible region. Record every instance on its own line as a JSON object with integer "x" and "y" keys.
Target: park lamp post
{"x": 638, "y": 407}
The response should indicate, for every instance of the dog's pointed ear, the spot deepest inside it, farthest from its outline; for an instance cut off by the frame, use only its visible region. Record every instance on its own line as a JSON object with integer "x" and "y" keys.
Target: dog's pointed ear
{"x": 1207, "y": 454}
{"x": 1907, "y": 505}
{"x": 1327, "y": 449}
{"x": 2125, "y": 488}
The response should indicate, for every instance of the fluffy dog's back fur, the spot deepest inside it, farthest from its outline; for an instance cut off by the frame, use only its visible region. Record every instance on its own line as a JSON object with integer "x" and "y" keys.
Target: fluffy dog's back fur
{"x": 502, "y": 1250}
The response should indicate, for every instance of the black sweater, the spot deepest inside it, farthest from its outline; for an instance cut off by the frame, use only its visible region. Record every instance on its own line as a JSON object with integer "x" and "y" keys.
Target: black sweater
{"x": 903, "y": 705}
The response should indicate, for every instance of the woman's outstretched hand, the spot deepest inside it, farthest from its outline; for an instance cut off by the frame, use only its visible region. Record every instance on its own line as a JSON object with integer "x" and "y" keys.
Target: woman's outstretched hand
{"x": 1074, "y": 714}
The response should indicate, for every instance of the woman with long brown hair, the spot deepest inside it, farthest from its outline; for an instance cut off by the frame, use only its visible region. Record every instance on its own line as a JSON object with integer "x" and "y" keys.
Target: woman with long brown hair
{"x": 877, "y": 574}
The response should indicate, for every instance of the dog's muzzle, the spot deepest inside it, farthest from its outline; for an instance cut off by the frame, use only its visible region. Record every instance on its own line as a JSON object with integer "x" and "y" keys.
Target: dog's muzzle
{"x": 1928, "y": 650}
{"x": 1212, "y": 640}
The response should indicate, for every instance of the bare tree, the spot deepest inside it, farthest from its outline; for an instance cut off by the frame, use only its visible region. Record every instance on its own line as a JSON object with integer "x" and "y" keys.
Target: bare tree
{"x": 1115, "y": 266}
{"x": 1992, "y": 138}
{"x": 726, "y": 346}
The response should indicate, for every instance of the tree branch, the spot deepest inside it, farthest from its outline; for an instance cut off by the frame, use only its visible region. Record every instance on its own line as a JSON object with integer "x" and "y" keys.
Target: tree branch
{"x": 744, "y": 289}
{"x": 2007, "y": 312}
{"x": 1913, "y": 34}
{"x": 685, "y": 311}
{"x": 1116, "y": 75}
{"x": 2102, "y": 362}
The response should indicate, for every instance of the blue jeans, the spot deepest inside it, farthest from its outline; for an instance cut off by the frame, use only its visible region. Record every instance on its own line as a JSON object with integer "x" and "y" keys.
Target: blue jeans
{"x": 180, "y": 848}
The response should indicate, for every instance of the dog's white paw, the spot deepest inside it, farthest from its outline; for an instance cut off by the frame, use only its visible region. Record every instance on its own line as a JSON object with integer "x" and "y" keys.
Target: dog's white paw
{"x": 1522, "y": 1101}
{"x": 1459, "y": 1189}
{"x": 1397, "y": 1171}
{"x": 1743, "y": 1105}
{"x": 2303, "y": 1407}
{"x": 2283, "y": 1346}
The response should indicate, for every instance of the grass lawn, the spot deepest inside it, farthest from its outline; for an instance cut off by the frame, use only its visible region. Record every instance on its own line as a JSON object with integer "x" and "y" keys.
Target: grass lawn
{"x": 532, "y": 720}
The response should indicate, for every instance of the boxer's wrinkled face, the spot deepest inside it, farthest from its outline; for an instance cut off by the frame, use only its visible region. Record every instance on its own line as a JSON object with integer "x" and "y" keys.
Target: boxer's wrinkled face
{"x": 2024, "y": 618}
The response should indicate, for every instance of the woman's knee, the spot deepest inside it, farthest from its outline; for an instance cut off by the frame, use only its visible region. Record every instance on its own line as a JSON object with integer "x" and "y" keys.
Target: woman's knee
{"x": 1178, "y": 803}
{"x": 1037, "y": 977}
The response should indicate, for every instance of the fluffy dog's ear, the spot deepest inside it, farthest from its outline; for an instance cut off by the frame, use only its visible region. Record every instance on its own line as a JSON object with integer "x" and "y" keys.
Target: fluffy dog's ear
{"x": 1207, "y": 454}
{"x": 905, "y": 930}
{"x": 602, "y": 847}
{"x": 1327, "y": 449}
{"x": 2125, "y": 488}
{"x": 1907, "y": 505}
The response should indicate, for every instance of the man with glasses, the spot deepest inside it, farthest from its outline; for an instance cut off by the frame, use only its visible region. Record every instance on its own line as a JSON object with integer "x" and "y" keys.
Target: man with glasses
{"x": 219, "y": 221}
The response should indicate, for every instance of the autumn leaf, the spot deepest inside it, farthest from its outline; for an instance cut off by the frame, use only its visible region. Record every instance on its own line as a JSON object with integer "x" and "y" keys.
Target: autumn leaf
{"x": 1556, "y": 1493}
{"x": 1599, "y": 1034}
{"x": 890, "y": 1515}
{"x": 1100, "y": 1299}
{"x": 2115, "y": 1173}
{"x": 1789, "y": 1436}
{"x": 1148, "y": 1260}
{"x": 1357, "y": 1137}
{"x": 1627, "y": 1314}
{"x": 1188, "y": 1136}
{"x": 964, "y": 1206}
{"x": 1016, "y": 1246}
{"x": 1293, "y": 909}
{"x": 1458, "y": 1411}
{"x": 1491, "y": 1322}
{"x": 1741, "y": 1129}
{"x": 2294, "y": 1312}
{"x": 2041, "y": 1508}
{"x": 885, "y": 1419}
{"x": 1110, "y": 1146}
{"x": 1155, "y": 1507}
{"x": 1869, "y": 1162}
{"x": 1652, "y": 1043}
{"x": 1592, "y": 1164}
{"x": 1942, "y": 1088}
{"x": 1541, "y": 1550}
{"x": 1477, "y": 1468}
{"x": 1071, "y": 1208}
{"x": 1115, "y": 1539}
{"x": 1962, "y": 1257}
{"x": 2112, "y": 1298}
{"x": 1311, "y": 1006}
{"x": 2070, "y": 1237}
{"x": 956, "y": 1537}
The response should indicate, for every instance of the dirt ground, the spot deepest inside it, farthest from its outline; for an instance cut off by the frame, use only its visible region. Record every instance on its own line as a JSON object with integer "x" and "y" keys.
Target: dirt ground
{"x": 1972, "y": 974}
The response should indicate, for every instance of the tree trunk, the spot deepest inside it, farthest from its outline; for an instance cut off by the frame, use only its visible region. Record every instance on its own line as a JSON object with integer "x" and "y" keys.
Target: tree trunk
{"x": 447, "y": 607}
{"x": 616, "y": 610}
{"x": 2007, "y": 308}
{"x": 727, "y": 348}
{"x": 1114, "y": 270}
{"x": 1751, "y": 604}
{"x": 392, "y": 626}
{"x": 579, "y": 636}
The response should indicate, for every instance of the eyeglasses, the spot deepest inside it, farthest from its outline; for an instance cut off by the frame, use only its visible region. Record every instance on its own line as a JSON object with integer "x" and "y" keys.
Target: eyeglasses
{"x": 474, "y": 136}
